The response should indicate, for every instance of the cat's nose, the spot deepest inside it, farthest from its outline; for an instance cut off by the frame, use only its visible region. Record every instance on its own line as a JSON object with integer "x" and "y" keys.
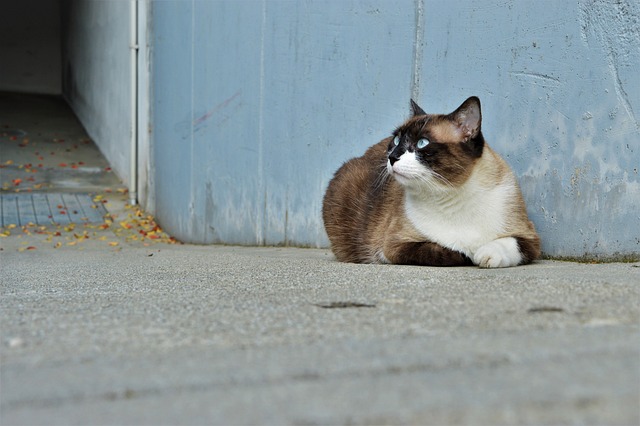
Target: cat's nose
{"x": 393, "y": 157}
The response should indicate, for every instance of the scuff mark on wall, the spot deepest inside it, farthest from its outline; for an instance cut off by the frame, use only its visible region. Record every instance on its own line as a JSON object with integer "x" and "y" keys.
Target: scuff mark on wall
{"x": 185, "y": 126}
{"x": 537, "y": 78}
{"x": 199, "y": 122}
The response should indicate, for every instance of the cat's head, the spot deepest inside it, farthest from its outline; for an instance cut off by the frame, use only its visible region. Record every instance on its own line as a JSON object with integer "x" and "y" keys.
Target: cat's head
{"x": 436, "y": 151}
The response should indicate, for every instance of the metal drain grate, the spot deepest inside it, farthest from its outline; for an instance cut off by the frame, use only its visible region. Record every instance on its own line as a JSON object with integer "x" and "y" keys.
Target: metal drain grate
{"x": 49, "y": 208}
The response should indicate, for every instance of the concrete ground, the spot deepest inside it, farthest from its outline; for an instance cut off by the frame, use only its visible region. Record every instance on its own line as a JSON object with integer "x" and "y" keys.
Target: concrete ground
{"x": 115, "y": 323}
{"x": 182, "y": 334}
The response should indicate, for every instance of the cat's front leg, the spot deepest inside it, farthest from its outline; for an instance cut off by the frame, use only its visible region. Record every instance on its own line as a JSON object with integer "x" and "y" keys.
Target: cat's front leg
{"x": 500, "y": 253}
{"x": 424, "y": 253}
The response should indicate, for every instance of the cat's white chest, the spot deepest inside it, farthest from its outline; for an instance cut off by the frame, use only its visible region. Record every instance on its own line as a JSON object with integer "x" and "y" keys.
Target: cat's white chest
{"x": 464, "y": 220}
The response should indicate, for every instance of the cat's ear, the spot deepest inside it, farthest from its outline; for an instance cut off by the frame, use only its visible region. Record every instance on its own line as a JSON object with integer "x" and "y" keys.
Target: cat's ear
{"x": 416, "y": 109}
{"x": 468, "y": 117}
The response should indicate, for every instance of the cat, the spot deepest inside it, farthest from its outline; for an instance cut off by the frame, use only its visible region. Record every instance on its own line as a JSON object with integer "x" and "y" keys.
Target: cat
{"x": 433, "y": 193}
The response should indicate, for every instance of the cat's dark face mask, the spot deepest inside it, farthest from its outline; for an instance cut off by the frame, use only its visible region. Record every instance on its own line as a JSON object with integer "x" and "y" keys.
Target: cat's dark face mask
{"x": 441, "y": 146}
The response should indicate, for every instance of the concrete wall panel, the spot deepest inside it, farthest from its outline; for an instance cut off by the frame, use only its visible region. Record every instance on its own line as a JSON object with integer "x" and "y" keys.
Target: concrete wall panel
{"x": 260, "y": 105}
{"x": 171, "y": 89}
{"x": 560, "y": 101}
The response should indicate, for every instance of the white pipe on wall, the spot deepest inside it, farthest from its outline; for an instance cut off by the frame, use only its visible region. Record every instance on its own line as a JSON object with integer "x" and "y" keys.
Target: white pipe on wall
{"x": 133, "y": 173}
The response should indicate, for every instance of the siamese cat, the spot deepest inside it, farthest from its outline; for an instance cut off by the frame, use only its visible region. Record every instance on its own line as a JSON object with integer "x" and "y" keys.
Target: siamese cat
{"x": 433, "y": 193}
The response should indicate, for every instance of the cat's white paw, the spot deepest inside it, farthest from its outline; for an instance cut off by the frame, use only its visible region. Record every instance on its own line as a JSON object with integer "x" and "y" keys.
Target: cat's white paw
{"x": 500, "y": 253}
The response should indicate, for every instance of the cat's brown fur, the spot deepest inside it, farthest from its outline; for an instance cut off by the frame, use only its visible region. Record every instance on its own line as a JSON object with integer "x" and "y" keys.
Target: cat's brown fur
{"x": 365, "y": 212}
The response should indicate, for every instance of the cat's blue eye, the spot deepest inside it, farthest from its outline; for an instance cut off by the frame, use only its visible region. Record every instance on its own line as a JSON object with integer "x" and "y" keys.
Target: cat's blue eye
{"x": 396, "y": 141}
{"x": 422, "y": 143}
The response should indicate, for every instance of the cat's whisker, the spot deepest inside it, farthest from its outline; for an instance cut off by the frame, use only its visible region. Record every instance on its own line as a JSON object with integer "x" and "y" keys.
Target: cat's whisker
{"x": 442, "y": 179}
{"x": 381, "y": 177}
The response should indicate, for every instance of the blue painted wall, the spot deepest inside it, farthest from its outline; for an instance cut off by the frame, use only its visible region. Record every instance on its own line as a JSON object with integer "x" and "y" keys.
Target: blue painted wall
{"x": 257, "y": 103}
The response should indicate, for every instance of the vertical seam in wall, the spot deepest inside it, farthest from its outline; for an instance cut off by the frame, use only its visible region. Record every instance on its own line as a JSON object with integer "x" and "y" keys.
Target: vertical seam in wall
{"x": 261, "y": 207}
{"x": 192, "y": 218}
{"x": 417, "y": 51}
